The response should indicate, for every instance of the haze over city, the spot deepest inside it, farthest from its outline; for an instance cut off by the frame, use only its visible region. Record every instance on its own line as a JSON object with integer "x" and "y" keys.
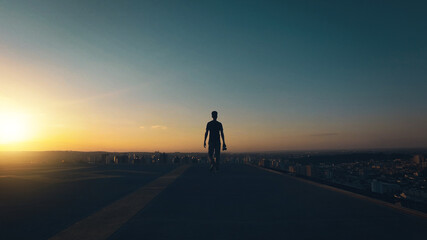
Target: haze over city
{"x": 145, "y": 75}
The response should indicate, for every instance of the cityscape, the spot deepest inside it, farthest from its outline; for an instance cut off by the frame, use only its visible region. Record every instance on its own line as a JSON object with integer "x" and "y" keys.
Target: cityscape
{"x": 398, "y": 177}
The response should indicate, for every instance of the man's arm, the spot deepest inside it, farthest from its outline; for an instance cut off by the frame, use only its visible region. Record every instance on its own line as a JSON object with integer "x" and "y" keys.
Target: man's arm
{"x": 206, "y": 135}
{"x": 222, "y": 136}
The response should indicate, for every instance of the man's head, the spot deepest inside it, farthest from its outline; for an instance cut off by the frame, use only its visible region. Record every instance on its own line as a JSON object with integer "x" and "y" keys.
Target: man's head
{"x": 214, "y": 115}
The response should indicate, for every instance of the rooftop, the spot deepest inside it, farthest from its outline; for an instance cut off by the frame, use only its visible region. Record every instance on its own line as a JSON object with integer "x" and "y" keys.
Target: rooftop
{"x": 188, "y": 202}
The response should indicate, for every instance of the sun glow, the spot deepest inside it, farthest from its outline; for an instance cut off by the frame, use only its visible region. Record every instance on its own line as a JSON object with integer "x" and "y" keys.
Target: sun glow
{"x": 13, "y": 128}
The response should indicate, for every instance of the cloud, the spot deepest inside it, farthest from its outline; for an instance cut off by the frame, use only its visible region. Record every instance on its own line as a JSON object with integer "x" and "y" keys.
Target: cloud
{"x": 323, "y": 134}
{"x": 141, "y": 127}
{"x": 159, "y": 127}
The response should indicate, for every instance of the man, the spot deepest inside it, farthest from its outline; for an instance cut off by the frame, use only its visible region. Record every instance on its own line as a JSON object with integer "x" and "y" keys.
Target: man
{"x": 214, "y": 128}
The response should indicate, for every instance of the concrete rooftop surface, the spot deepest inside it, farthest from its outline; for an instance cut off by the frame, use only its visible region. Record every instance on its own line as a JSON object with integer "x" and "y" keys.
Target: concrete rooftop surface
{"x": 188, "y": 202}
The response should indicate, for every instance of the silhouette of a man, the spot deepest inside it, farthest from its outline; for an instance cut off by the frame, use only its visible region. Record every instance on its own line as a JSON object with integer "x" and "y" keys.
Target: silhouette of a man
{"x": 214, "y": 128}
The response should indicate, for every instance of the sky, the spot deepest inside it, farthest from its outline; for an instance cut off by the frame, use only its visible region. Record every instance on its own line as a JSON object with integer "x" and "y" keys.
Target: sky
{"x": 145, "y": 75}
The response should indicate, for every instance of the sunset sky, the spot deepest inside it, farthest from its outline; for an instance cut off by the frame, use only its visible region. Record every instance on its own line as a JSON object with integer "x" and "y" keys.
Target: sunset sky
{"x": 145, "y": 75}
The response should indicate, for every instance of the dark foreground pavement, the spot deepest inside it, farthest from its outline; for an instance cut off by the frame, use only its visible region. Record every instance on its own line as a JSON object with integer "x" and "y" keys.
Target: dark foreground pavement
{"x": 37, "y": 202}
{"x": 244, "y": 202}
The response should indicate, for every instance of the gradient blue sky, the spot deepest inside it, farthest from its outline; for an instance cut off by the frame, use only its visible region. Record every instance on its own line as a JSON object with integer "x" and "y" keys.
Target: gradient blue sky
{"x": 283, "y": 75}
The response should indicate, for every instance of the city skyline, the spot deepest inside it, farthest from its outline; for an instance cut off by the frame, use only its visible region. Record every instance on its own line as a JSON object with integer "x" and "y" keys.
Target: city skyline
{"x": 144, "y": 76}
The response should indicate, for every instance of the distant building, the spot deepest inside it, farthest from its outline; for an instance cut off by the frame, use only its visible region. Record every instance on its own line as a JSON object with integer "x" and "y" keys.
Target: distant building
{"x": 121, "y": 159}
{"x": 308, "y": 170}
{"x": 265, "y": 163}
{"x": 109, "y": 159}
{"x": 384, "y": 187}
{"x": 304, "y": 170}
{"x": 420, "y": 161}
{"x": 97, "y": 158}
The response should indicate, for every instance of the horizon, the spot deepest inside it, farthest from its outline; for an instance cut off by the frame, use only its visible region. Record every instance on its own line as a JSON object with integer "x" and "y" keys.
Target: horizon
{"x": 362, "y": 150}
{"x": 145, "y": 76}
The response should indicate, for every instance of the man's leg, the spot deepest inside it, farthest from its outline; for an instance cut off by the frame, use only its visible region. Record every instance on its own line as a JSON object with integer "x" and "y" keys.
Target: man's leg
{"x": 210, "y": 156}
{"x": 217, "y": 156}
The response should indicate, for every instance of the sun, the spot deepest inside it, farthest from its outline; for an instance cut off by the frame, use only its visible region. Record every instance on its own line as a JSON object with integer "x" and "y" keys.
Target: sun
{"x": 13, "y": 128}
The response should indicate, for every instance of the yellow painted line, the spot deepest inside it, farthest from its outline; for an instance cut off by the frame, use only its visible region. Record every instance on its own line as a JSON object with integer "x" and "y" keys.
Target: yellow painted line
{"x": 39, "y": 170}
{"x": 44, "y": 179}
{"x": 126, "y": 171}
{"x": 61, "y": 169}
{"x": 352, "y": 194}
{"x": 108, "y": 220}
{"x": 87, "y": 177}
